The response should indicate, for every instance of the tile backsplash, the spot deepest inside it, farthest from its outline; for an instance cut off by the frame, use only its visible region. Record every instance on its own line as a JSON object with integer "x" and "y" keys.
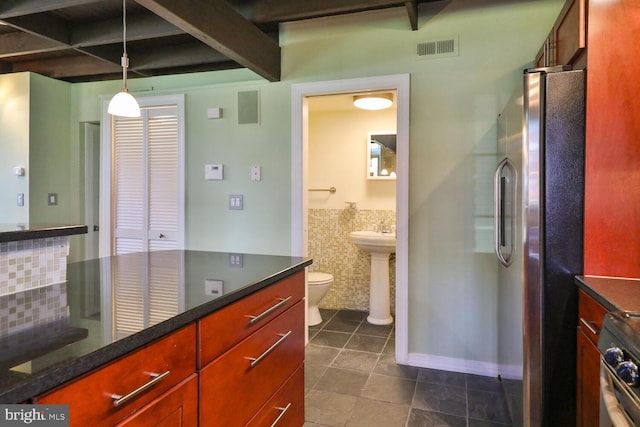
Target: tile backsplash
{"x": 334, "y": 253}
{"x": 32, "y": 263}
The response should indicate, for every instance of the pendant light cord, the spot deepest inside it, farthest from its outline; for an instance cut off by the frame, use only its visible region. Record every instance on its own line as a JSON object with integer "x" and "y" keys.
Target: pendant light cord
{"x": 125, "y": 58}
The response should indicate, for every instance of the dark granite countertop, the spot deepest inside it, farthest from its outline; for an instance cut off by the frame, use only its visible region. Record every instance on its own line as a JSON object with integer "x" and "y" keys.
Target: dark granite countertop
{"x": 615, "y": 294}
{"x": 30, "y": 231}
{"x": 111, "y": 306}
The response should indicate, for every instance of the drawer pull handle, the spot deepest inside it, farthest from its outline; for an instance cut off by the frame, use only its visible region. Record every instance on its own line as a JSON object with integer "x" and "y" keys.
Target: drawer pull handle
{"x": 155, "y": 378}
{"x": 256, "y": 360}
{"x": 254, "y": 319}
{"x": 282, "y": 412}
{"x": 589, "y": 326}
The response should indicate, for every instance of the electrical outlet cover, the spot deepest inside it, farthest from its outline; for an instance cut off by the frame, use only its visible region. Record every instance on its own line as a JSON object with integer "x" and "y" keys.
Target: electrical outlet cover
{"x": 213, "y": 287}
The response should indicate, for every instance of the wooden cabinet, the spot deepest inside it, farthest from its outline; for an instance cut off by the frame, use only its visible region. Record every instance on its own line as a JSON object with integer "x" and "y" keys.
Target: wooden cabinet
{"x": 243, "y": 364}
{"x": 567, "y": 40}
{"x": 176, "y": 408}
{"x": 224, "y": 328}
{"x": 157, "y": 368}
{"x": 612, "y": 157}
{"x": 590, "y": 315}
{"x": 251, "y": 372}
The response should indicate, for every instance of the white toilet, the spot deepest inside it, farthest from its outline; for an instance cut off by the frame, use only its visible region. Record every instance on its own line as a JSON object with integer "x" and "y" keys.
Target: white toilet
{"x": 319, "y": 283}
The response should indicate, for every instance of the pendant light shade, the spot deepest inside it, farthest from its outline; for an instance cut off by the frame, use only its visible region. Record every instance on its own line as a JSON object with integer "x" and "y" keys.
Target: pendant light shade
{"x": 374, "y": 101}
{"x": 123, "y": 103}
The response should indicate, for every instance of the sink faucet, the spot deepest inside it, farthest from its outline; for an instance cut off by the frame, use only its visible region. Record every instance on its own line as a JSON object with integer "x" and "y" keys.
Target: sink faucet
{"x": 383, "y": 228}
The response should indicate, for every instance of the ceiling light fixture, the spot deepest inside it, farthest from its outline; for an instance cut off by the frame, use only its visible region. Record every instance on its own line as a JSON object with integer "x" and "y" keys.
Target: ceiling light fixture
{"x": 373, "y": 101}
{"x": 123, "y": 103}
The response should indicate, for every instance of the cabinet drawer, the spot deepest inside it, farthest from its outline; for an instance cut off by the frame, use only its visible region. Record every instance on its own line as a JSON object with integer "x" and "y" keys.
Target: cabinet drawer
{"x": 590, "y": 316}
{"x": 228, "y": 326}
{"x": 89, "y": 398}
{"x": 177, "y": 407}
{"x": 286, "y": 408}
{"x": 232, "y": 391}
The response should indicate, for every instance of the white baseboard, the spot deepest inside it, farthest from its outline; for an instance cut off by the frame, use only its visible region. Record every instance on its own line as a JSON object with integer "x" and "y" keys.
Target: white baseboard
{"x": 453, "y": 364}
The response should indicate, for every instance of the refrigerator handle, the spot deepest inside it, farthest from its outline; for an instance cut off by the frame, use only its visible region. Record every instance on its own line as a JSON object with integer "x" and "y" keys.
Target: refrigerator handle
{"x": 499, "y": 188}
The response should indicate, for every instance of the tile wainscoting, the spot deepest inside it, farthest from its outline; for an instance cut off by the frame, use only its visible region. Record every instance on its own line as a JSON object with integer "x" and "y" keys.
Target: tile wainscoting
{"x": 333, "y": 253}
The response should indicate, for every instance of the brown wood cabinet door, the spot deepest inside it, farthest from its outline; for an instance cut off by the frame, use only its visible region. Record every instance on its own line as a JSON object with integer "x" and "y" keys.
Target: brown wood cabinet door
{"x": 176, "y": 408}
{"x": 588, "y": 385}
{"x": 570, "y": 32}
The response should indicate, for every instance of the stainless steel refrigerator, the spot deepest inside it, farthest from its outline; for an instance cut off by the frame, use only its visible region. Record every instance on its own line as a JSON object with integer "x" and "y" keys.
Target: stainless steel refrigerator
{"x": 539, "y": 204}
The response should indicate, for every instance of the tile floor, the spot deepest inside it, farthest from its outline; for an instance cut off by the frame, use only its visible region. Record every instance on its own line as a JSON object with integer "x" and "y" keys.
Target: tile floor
{"x": 352, "y": 380}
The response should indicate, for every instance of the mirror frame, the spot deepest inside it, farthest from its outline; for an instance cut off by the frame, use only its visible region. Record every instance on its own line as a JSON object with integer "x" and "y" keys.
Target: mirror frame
{"x": 368, "y": 156}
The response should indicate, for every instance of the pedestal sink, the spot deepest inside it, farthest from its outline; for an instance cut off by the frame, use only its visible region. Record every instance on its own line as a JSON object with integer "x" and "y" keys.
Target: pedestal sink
{"x": 380, "y": 246}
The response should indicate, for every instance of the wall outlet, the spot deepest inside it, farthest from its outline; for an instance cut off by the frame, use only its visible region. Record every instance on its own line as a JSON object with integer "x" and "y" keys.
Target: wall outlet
{"x": 52, "y": 199}
{"x": 213, "y": 287}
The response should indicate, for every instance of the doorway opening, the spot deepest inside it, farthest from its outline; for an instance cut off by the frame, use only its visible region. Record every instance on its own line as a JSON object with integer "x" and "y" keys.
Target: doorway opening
{"x": 301, "y": 94}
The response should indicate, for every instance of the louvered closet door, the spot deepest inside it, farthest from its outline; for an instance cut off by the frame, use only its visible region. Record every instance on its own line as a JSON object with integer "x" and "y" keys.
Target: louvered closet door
{"x": 146, "y": 181}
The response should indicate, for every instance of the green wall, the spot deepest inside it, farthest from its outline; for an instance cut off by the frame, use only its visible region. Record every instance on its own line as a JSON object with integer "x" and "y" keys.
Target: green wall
{"x": 14, "y": 146}
{"x": 454, "y": 104}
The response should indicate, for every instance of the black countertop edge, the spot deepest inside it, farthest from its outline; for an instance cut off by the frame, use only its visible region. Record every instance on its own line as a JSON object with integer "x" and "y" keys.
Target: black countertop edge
{"x": 40, "y": 231}
{"x": 583, "y": 284}
{"x": 66, "y": 371}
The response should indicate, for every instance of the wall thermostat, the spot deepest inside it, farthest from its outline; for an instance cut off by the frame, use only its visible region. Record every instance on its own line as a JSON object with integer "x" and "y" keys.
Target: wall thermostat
{"x": 18, "y": 170}
{"x": 213, "y": 172}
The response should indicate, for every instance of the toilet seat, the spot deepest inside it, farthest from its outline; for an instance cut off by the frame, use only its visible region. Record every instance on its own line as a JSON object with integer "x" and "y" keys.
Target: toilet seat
{"x": 319, "y": 278}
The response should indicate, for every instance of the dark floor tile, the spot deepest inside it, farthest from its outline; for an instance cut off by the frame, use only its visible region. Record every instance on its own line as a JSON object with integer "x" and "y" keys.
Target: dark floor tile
{"x": 338, "y": 324}
{"x": 389, "y": 389}
{"x": 420, "y": 418}
{"x": 373, "y": 413}
{"x": 327, "y": 313}
{"x": 375, "y": 330}
{"x": 390, "y": 347}
{"x": 479, "y": 382}
{"x": 320, "y": 355}
{"x": 352, "y": 315}
{"x": 366, "y": 343}
{"x": 442, "y": 377}
{"x": 443, "y": 398}
{"x": 312, "y": 374}
{"x": 356, "y": 360}
{"x": 331, "y": 339}
{"x": 480, "y": 423}
{"x": 342, "y": 381}
{"x": 488, "y": 406}
{"x": 327, "y": 408}
{"x": 387, "y": 365}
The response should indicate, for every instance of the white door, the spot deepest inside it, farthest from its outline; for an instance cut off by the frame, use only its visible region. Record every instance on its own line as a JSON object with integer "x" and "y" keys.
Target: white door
{"x": 147, "y": 181}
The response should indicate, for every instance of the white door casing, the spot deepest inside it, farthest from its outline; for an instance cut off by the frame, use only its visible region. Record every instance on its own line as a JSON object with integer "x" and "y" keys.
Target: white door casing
{"x": 299, "y": 163}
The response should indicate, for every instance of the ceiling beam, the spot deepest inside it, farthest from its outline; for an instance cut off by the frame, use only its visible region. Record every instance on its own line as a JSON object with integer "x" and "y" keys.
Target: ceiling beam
{"x": 43, "y": 25}
{"x": 175, "y": 56}
{"x": 64, "y": 67}
{"x": 412, "y": 13}
{"x": 18, "y": 43}
{"x": 219, "y": 26}
{"x": 267, "y": 11}
{"x": 139, "y": 27}
{"x": 11, "y": 8}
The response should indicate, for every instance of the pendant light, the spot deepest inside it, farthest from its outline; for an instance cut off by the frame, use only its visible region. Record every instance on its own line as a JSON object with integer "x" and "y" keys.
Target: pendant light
{"x": 374, "y": 101}
{"x": 123, "y": 103}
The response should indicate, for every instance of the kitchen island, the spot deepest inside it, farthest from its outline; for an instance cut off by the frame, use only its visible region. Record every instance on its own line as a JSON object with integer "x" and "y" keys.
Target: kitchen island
{"x": 140, "y": 306}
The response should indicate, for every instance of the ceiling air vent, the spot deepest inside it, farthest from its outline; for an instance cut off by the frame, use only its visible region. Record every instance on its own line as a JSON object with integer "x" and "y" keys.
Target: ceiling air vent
{"x": 437, "y": 48}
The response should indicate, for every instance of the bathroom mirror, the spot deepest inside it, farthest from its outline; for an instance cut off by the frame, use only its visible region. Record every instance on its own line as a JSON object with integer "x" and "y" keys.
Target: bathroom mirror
{"x": 381, "y": 155}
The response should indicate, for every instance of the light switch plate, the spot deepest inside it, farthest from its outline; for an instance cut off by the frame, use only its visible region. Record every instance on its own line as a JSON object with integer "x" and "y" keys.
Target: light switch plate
{"x": 236, "y": 202}
{"x": 213, "y": 172}
{"x": 236, "y": 260}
